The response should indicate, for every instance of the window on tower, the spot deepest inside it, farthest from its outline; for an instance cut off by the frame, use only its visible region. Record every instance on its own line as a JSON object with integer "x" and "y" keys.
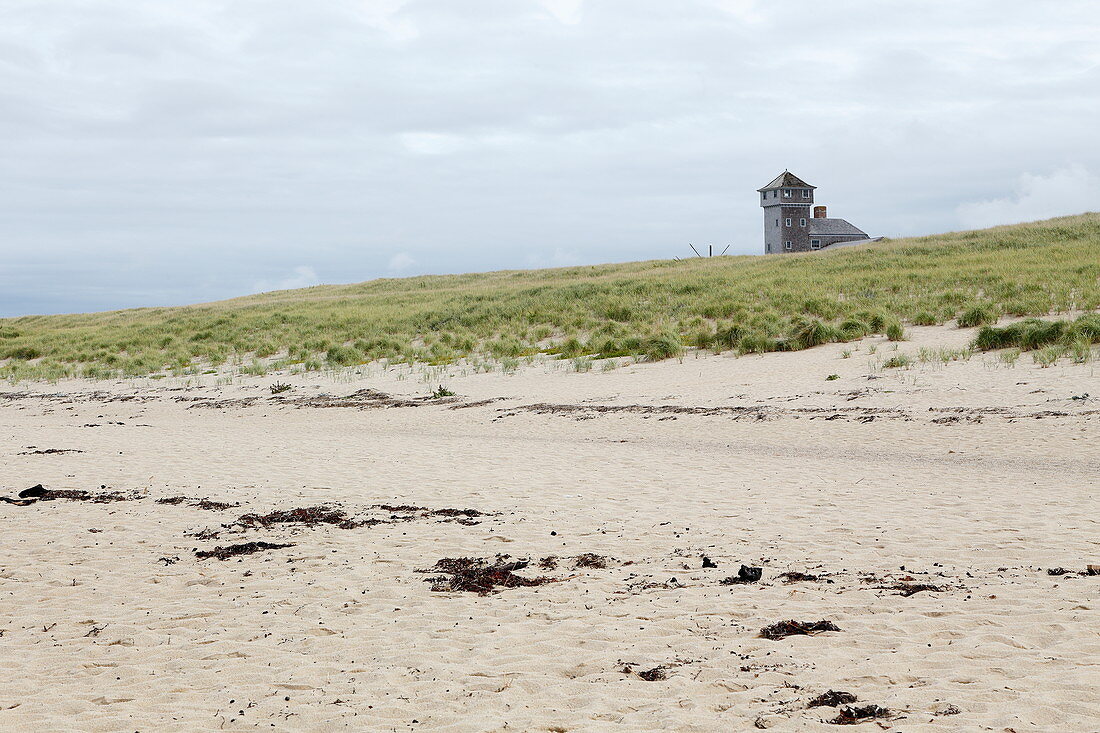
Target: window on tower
{"x": 805, "y": 193}
{"x": 788, "y": 245}
{"x": 786, "y": 193}
{"x": 788, "y": 222}
{"x": 802, "y": 222}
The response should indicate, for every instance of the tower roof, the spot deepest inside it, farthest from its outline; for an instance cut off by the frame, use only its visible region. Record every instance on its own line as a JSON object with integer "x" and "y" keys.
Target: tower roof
{"x": 786, "y": 179}
{"x": 834, "y": 227}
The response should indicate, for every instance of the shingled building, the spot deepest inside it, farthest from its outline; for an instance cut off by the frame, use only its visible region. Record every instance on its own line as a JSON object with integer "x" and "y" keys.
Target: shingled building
{"x": 789, "y": 225}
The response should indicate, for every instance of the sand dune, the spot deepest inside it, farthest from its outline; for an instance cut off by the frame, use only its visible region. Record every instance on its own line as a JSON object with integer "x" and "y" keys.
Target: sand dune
{"x": 972, "y": 477}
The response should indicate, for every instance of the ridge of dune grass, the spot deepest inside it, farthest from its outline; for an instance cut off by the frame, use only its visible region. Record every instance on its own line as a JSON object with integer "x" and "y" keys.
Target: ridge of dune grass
{"x": 651, "y": 309}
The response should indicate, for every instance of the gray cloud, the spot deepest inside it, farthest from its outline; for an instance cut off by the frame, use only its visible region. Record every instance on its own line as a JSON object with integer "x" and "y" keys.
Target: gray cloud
{"x": 161, "y": 153}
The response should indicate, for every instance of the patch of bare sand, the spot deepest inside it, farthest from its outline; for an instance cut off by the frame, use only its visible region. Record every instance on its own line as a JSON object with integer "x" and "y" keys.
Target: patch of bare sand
{"x": 110, "y": 621}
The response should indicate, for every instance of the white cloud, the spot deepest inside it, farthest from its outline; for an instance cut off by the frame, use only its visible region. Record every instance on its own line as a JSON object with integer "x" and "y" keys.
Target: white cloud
{"x": 565, "y": 11}
{"x": 431, "y": 143}
{"x": 1072, "y": 190}
{"x": 301, "y": 277}
{"x": 386, "y": 16}
{"x": 747, "y": 10}
{"x": 400, "y": 262}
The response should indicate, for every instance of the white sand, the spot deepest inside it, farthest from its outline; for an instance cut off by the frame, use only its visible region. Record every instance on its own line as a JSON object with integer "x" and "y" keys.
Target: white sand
{"x": 339, "y": 631}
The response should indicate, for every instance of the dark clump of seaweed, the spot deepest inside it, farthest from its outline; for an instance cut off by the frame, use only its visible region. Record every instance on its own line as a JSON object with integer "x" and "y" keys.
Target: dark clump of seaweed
{"x": 796, "y": 577}
{"x": 105, "y": 497}
{"x": 479, "y": 575}
{"x": 908, "y": 589}
{"x": 462, "y": 516}
{"x": 214, "y": 506}
{"x": 455, "y": 513}
{"x": 590, "y": 560}
{"x": 854, "y": 716}
{"x": 400, "y": 508}
{"x": 649, "y": 675}
{"x": 50, "y": 451}
{"x": 745, "y": 575}
{"x": 308, "y": 516}
{"x": 550, "y": 562}
{"x": 245, "y": 548}
{"x": 832, "y": 699}
{"x": 783, "y": 629}
{"x": 653, "y": 675}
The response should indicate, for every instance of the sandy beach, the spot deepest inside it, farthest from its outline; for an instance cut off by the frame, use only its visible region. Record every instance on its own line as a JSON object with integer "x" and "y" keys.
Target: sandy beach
{"x": 929, "y": 503}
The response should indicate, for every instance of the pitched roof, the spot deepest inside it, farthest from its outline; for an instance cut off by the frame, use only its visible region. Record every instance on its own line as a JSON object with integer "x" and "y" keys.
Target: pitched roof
{"x": 786, "y": 179}
{"x": 835, "y": 226}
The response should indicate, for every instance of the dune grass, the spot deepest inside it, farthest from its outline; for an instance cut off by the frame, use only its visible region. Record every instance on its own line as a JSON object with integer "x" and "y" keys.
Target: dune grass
{"x": 1048, "y": 341}
{"x": 1036, "y": 333}
{"x": 649, "y": 310}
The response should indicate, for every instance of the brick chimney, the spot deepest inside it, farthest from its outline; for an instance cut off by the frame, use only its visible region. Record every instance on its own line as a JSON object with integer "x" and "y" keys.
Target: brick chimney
{"x": 819, "y": 212}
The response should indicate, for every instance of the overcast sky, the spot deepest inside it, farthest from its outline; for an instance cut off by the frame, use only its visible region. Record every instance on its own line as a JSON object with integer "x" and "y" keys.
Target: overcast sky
{"x": 158, "y": 152}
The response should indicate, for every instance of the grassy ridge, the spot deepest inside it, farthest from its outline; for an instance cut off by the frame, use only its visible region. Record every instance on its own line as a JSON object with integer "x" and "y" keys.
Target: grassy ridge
{"x": 650, "y": 308}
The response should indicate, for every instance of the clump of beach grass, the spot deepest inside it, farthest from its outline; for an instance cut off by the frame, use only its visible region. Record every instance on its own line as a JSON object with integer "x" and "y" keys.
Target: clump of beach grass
{"x": 582, "y": 364}
{"x": 1048, "y": 355}
{"x": 943, "y": 354}
{"x": 978, "y": 315}
{"x": 1035, "y": 333}
{"x": 897, "y": 361}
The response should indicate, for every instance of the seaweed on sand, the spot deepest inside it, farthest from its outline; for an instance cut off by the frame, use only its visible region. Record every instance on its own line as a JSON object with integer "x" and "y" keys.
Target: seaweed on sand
{"x": 908, "y": 589}
{"x": 832, "y": 699}
{"x": 783, "y": 629}
{"x": 854, "y": 716}
{"x": 745, "y": 575}
{"x": 245, "y": 548}
{"x": 105, "y": 497}
{"x": 479, "y": 575}
{"x": 309, "y": 516}
{"x": 173, "y": 500}
{"x": 653, "y": 675}
{"x": 214, "y": 506}
{"x": 590, "y": 560}
{"x": 461, "y": 516}
{"x": 796, "y": 577}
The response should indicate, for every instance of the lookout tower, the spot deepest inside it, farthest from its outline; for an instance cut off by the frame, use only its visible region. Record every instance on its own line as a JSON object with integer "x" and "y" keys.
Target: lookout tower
{"x": 793, "y": 224}
{"x": 787, "y": 201}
